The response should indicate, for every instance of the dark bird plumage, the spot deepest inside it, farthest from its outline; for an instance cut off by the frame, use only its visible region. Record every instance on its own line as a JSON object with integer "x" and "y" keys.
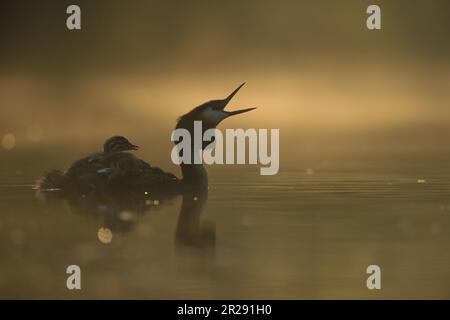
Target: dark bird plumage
{"x": 115, "y": 170}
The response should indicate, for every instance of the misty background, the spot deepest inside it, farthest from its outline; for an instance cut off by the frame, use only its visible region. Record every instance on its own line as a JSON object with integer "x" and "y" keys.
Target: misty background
{"x": 344, "y": 97}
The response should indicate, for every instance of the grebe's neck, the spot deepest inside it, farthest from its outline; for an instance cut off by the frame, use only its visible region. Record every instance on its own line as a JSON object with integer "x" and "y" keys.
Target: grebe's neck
{"x": 195, "y": 176}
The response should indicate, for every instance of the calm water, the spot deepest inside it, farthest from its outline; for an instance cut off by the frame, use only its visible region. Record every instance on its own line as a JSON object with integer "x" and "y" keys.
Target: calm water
{"x": 294, "y": 235}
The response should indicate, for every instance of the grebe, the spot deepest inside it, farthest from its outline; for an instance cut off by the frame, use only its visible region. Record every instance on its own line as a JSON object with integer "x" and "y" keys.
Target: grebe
{"x": 80, "y": 171}
{"x": 116, "y": 170}
{"x": 96, "y": 161}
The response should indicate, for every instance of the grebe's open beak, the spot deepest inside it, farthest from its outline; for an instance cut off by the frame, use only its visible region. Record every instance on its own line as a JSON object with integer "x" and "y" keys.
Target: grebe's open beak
{"x": 228, "y": 99}
{"x": 232, "y": 113}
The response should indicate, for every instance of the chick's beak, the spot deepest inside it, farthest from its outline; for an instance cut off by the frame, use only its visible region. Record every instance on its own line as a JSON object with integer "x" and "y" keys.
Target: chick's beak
{"x": 133, "y": 147}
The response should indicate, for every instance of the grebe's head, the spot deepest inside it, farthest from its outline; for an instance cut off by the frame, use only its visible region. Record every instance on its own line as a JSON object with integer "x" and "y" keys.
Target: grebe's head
{"x": 211, "y": 113}
{"x": 118, "y": 144}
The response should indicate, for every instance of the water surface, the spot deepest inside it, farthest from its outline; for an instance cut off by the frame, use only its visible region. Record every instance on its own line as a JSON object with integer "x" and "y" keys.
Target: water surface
{"x": 295, "y": 235}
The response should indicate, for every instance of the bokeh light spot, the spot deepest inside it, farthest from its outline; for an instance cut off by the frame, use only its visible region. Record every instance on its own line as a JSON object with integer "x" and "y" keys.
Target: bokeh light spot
{"x": 8, "y": 141}
{"x": 104, "y": 235}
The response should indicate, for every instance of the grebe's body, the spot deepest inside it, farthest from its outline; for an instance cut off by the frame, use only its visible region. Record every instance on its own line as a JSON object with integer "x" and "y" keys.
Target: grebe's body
{"x": 114, "y": 169}
{"x": 117, "y": 170}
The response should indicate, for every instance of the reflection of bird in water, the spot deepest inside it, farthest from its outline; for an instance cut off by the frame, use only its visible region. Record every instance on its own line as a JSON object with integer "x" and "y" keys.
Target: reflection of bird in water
{"x": 190, "y": 231}
{"x": 117, "y": 171}
{"x": 120, "y": 214}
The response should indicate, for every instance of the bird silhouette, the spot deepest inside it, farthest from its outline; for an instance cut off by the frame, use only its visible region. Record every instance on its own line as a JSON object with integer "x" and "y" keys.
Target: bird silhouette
{"x": 115, "y": 170}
